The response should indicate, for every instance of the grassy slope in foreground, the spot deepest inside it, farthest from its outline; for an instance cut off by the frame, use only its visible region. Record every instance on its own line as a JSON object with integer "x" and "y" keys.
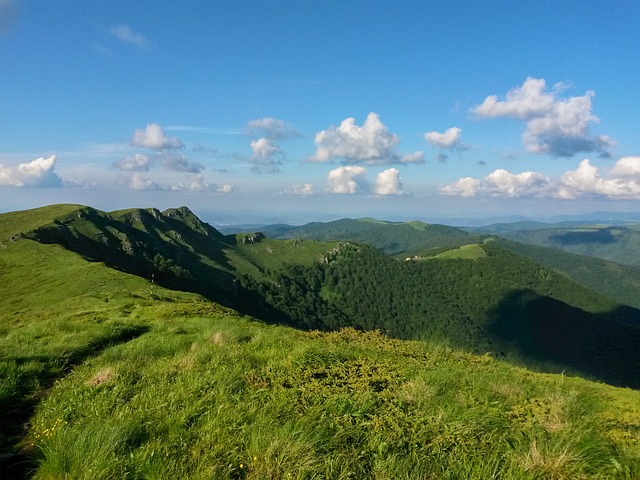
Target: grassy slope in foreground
{"x": 219, "y": 396}
{"x": 171, "y": 386}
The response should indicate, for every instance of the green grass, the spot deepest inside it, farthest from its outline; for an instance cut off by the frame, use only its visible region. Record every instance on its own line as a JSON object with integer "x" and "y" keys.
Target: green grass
{"x": 225, "y": 397}
{"x": 23, "y": 221}
{"x": 110, "y": 380}
{"x": 472, "y": 251}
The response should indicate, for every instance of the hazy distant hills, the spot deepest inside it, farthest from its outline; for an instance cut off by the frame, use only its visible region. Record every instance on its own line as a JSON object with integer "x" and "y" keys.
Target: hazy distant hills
{"x": 615, "y": 280}
{"x": 618, "y": 244}
{"x": 393, "y": 238}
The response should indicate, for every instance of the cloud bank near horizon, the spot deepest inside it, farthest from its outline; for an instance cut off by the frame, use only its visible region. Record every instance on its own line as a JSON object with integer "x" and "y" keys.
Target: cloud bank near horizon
{"x": 587, "y": 180}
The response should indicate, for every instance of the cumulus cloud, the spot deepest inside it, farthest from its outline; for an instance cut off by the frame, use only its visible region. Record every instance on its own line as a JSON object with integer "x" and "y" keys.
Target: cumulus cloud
{"x": 627, "y": 167}
{"x": 388, "y": 183}
{"x": 125, "y": 34}
{"x": 306, "y": 189}
{"x": 371, "y": 144}
{"x": 153, "y": 137}
{"x": 585, "y": 181}
{"x": 266, "y": 157}
{"x": 271, "y": 128}
{"x": 197, "y": 183}
{"x": 501, "y": 183}
{"x": 179, "y": 163}
{"x": 465, "y": 187}
{"x": 554, "y": 125}
{"x": 348, "y": 179}
{"x": 37, "y": 173}
{"x": 138, "y": 181}
{"x": 137, "y": 163}
{"x": 450, "y": 139}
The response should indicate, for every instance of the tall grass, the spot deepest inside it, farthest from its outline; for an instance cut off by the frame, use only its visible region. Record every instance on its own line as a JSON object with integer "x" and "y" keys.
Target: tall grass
{"x": 114, "y": 383}
{"x": 224, "y": 397}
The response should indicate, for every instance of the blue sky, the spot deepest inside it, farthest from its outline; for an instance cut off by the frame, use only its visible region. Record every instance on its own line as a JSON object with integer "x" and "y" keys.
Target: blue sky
{"x": 296, "y": 110}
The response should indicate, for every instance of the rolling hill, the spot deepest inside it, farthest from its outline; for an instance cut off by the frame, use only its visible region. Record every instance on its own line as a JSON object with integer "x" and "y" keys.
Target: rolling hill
{"x": 616, "y": 244}
{"x": 106, "y": 375}
{"x": 392, "y": 238}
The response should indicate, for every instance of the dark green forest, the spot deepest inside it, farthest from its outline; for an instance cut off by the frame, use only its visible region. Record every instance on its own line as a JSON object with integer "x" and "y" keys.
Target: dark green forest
{"x": 504, "y": 304}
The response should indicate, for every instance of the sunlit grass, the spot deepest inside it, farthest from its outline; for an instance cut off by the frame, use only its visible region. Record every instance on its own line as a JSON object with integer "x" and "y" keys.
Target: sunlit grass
{"x": 114, "y": 382}
{"x": 225, "y": 397}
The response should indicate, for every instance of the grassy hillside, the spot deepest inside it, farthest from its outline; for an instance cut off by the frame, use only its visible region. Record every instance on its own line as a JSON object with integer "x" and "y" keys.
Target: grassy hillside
{"x": 174, "y": 248}
{"x": 105, "y": 376}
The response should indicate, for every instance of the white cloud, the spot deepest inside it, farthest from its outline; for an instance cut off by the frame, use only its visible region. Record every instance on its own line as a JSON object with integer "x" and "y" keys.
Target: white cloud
{"x": 153, "y": 137}
{"x": 266, "y": 156}
{"x": 306, "y": 189}
{"x": 627, "y": 166}
{"x": 450, "y": 139}
{"x": 138, "y": 181}
{"x": 37, "y": 173}
{"x": 554, "y": 125}
{"x": 197, "y": 183}
{"x": 388, "y": 183}
{"x": 137, "y": 163}
{"x": 271, "y": 128}
{"x": 179, "y": 163}
{"x": 125, "y": 34}
{"x": 369, "y": 144}
{"x": 585, "y": 181}
{"x": 348, "y": 179}
{"x": 465, "y": 187}
{"x": 501, "y": 183}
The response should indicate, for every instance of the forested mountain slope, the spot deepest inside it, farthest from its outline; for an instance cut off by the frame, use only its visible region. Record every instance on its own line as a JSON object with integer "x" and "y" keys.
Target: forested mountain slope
{"x": 393, "y": 238}
{"x": 501, "y": 303}
{"x": 617, "y": 244}
{"x": 614, "y": 280}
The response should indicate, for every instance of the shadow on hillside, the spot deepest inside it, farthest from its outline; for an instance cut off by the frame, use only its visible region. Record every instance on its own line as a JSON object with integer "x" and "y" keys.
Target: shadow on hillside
{"x": 544, "y": 330}
{"x": 15, "y": 461}
{"x": 601, "y": 236}
{"x": 173, "y": 258}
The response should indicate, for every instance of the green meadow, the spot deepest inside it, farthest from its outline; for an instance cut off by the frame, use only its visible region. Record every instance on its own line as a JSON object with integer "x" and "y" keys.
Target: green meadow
{"x": 104, "y": 375}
